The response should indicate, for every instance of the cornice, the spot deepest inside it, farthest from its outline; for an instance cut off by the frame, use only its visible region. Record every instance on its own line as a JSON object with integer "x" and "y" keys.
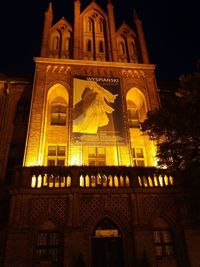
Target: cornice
{"x": 72, "y": 62}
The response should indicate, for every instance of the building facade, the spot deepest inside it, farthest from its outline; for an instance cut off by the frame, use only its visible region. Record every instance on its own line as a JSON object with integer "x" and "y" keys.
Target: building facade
{"x": 79, "y": 180}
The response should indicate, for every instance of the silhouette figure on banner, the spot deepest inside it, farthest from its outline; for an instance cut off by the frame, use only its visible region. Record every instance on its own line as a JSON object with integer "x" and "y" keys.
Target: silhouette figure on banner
{"x": 91, "y": 111}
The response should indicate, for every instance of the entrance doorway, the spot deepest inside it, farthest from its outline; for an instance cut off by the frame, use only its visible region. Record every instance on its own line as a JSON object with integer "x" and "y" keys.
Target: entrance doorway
{"x": 107, "y": 247}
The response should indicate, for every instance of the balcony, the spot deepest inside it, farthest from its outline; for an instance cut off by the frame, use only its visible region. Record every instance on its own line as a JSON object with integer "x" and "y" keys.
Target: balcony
{"x": 92, "y": 177}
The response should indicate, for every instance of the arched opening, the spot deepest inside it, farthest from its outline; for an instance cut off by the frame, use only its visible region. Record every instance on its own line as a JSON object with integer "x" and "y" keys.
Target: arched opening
{"x": 136, "y": 107}
{"x": 56, "y": 124}
{"x": 142, "y": 149}
{"x": 57, "y": 100}
{"x": 55, "y": 43}
{"x": 87, "y": 25}
{"x": 123, "y": 48}
{"x": 107, "y": 246}
{"x": 94, "y": 37}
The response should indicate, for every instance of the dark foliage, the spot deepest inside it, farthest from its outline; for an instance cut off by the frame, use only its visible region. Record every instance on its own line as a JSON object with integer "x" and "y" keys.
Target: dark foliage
{"x": 176, "y": 125}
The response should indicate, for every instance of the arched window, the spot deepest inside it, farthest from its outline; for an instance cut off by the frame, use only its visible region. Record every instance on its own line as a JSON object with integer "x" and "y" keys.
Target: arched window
{"x": 101, "y": 48}
{"x": 89, "y": 45}
{"x": 122, "y": 48}
{"x": 58, "y": 114}
{"x": 55, "y": 43}
{"x": 133, "y": 117}
{"x": 99, "y": 26}
{"x": 132, "y": 48}
{"x": 66, "y": 44}
{"x": 93, "y": 34}
{"x": 136, "y": 106}
{"x": 88, "y": 25}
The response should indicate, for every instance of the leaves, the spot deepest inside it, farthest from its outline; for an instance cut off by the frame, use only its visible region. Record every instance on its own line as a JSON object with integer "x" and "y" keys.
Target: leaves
{"x": 176, "y": 125}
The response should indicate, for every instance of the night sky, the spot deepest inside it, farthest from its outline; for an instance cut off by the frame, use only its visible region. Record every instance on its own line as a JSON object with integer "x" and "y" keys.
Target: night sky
{"x": 172, "y": 30}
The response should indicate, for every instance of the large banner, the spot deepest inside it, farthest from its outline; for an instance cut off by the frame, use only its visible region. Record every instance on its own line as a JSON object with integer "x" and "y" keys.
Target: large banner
{"x": 97, "y": 111}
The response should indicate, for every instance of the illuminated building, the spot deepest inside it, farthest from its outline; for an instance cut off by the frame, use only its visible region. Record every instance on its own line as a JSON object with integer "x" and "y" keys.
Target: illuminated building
{"x": 89, "y": 193}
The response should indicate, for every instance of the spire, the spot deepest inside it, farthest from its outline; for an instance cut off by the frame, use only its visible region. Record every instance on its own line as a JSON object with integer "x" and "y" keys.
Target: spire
{"x": 49, "y": 9}
{"x": 49, "y": 14}
{"x": 112, "y": 27}
{"x": 47, "y": 26}
{"x": 77, "y": 13}
{"x": 141, "y": 38}
{"x": 135, "y": 15}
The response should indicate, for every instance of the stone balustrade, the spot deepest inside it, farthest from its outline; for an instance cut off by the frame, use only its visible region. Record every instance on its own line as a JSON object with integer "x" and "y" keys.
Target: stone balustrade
{"x": 92, "y": 177}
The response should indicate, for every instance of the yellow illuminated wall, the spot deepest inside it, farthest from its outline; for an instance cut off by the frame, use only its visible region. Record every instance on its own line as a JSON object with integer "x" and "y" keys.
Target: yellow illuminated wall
{"x": 137, "y": 104}
{"x": 49, "y": 139}
{"x": 92, "y": 48}
{"x": 56, "y": 131}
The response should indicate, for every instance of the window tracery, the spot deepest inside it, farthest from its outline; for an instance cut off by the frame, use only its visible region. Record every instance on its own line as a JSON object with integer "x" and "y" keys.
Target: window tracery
{"x": 58, "y": 114}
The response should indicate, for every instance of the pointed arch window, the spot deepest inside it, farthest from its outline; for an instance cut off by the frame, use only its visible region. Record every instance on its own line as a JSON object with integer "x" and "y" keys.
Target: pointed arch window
{"x": 99, "y": 26}
{"x": 132, "y": 48}
{"x": 89, "y": 45}
{"x": 101, "y": 48}
{"x": 66, "y": 44}
{"x": 58, "y": 114}
{"x": 122, "y": 48}
{"x": 133, "y": 117}
{"x": 55, "y": 43}
{"x": 89, "y": 25}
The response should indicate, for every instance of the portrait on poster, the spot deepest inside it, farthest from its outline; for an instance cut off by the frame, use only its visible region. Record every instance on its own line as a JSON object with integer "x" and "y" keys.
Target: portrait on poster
{"x": 96, "y": 110}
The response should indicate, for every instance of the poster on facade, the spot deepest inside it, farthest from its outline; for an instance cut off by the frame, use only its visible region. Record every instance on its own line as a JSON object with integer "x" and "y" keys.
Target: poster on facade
{"x": 97, "y": 111}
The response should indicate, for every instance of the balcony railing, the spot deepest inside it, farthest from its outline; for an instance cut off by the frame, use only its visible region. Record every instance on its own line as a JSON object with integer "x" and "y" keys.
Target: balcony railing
{"x": 92, "y": 177}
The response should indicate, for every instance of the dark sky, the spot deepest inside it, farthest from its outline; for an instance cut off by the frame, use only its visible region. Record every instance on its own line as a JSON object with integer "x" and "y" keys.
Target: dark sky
{"x": 172, "y": 30}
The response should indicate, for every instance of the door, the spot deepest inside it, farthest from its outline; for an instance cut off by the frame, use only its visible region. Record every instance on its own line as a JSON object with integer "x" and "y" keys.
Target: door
{"x": 107, "y": 252}
{"x": 107, "y": 247}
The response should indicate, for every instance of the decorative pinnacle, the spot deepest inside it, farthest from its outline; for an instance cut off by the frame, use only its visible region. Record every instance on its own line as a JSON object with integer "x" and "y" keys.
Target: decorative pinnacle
{"x": 135, "y": 15}
{"x": 50, "y": 6}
